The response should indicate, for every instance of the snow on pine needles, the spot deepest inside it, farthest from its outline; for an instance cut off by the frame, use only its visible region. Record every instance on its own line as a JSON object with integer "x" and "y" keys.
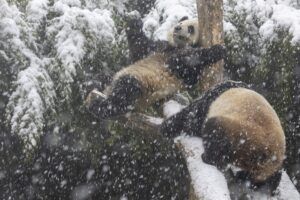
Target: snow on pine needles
{"x": 76, "y": 33}
{"x": 44, "y": 46}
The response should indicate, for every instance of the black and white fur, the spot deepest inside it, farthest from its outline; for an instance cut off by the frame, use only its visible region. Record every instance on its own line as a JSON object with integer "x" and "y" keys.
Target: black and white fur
{"x": 172, "y": 66}
{"x": 239, "y": 127}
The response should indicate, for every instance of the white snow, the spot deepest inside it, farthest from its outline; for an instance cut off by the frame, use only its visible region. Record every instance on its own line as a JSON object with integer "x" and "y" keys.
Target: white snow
{"x": 33, "y": 96}
{"x": 34, "y": 92}
{"x": 37, "y": 11}
{"x": 288, "y": 18}
{"x": 10, "y": 21}
{"x": 172, "y": 107}
{"x": 77, "y": 32}
{"x": 271, "y": 16}
{"x": 155, "y": 120}
{"x": 208, "y": 182}
{"x": 69, "y": 30}
{"x": 90, "y": 174}
{"x": 83, "y": 192}
{"x": 287, "y": 189}
{"x": 72, "y": 31}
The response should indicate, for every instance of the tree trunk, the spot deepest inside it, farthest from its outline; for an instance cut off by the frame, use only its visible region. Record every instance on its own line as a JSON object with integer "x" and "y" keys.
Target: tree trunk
{"x": 210, "y": 15}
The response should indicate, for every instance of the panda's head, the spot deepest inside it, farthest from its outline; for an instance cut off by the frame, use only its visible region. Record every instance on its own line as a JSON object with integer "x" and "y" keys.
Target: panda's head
{"x": 185, "y": 33}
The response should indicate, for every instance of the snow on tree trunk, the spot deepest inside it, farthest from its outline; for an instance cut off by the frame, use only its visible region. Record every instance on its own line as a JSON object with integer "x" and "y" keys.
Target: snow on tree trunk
{"x": 210, "y": 184}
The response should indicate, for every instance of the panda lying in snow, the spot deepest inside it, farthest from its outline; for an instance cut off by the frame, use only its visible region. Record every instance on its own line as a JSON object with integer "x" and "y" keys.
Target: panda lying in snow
{"x": 174, "y": 66}
{"x": 238, "y": 127}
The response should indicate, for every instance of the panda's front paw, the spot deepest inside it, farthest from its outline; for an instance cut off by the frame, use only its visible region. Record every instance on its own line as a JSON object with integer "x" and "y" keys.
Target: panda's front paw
{"x": 220, "y": 50}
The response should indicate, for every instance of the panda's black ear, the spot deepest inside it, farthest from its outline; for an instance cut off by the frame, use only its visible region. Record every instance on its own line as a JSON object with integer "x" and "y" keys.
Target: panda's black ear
{"x": 184, "y": 18}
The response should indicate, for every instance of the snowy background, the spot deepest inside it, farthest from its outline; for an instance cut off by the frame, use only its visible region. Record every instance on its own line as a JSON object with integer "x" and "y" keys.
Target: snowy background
{"x": 52, "y": 52}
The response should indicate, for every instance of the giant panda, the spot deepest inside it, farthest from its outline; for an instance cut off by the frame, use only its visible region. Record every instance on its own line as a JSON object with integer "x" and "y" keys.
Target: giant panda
{"x": 185, "y": 33}
{"x": 239, "y": 128}
{"x": 164, "y": 72}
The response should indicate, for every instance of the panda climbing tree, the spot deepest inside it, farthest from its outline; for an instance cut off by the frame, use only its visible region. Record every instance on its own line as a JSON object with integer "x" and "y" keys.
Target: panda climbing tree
{"x": 162, "y": 68}
{"x": 171, "y": 66}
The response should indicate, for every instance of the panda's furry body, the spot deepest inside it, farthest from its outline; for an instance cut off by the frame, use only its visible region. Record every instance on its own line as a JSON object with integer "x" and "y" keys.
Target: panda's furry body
{"x": 163, "y": 73}
{"x": 238, "y": 127}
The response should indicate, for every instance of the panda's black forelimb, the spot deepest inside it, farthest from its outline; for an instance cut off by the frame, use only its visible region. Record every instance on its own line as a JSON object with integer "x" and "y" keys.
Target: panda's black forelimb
{"x": 121, "y": 99}
{"x": 138, "y": 43}
{"x": 190, "y": 120}
{"x": 175, "y": 125}
{"x": 216, "y": 143}
{"x": 188, "y": 63}
{"x": 197, "y": 56}
{"x": 210, "y": 55}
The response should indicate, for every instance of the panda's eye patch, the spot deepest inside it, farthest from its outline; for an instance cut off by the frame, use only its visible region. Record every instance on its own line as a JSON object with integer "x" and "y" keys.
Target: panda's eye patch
{"x": 191, "y": 29}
